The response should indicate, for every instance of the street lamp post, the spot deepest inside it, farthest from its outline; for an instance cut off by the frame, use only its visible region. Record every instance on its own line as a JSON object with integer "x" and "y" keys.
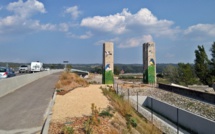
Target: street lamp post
{"x": 65, "y": 64}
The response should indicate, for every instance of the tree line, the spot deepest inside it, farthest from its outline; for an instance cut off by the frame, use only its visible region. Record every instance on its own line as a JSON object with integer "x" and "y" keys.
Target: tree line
{"x": 201, "y": 72}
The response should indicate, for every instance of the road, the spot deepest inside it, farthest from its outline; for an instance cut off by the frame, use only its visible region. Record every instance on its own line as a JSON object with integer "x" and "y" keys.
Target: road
{"x": 23, "y": 110}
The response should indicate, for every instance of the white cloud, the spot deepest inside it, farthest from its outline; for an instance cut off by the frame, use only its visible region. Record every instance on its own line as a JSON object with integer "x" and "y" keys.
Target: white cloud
{"x": 9, "y": 20}
{"x": 136, "y": 41}
{"x": 63, "y": 27}
{"x": 37, "y": 26}
{"x": 146, "y": 18}
{"x": 84, "y": 36}
{"x": 201, "y": 30}
{"x": 26, "y": 9}
{"x": 112, "y": 23}
{"x": 143, "y": 21}
{"x": 21, "y": 22}
{"x": 73, "y": 11}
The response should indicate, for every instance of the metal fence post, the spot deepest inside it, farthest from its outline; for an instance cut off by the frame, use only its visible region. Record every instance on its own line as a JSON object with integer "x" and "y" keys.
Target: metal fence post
{"x": 177, "y": 122}
{"x": 121, "y": 91}
{"x": 137, "y": 101}
{"x": 152, "y": 110}
{"x": 128, "y": 95}
{"x": 117, "y": 90}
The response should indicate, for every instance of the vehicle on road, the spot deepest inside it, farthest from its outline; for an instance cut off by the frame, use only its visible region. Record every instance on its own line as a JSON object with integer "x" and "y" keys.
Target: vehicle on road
{"x": 6, "y": 72}
{"x": 25, "y": 69}
{"x": 46, "y": 69}
{"x": 36, "y": 66}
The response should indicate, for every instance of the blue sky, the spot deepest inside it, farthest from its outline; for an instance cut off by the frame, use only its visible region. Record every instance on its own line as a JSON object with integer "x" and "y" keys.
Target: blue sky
{"x": 53, "y": 31}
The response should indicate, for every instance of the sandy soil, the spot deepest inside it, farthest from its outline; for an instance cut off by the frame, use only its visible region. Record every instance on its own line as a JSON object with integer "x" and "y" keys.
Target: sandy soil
{"x": 78, "y": 103}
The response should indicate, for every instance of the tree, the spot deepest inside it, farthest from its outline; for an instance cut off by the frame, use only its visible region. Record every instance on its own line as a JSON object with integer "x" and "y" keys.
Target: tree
{"x": 52, "y": 66}
{"x": 202, "y": 66}
{"x": 186, "y": 74}
{"x": 116, "y": 70}
{"x": 97, "y": 69}
{"x": 171, "y": 73}
{"x": 213, "y": 60}
{"x": 68, "y": 68}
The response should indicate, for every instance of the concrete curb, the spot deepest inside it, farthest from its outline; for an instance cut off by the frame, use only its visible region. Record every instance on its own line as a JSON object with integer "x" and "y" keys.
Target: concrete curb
{"x": 48, "y": 114}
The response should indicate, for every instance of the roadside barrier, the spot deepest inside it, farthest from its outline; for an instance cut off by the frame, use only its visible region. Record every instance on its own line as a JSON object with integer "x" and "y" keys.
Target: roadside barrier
{"x": 11, "y": 84}
{"x": 171, "y": 119}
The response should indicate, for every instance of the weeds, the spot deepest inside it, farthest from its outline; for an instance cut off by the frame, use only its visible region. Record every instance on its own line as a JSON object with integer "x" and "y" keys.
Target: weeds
{"x": 130, "y": 121}
{"x": 95, "y": 114}
{"x": 105, "y": 113}
{"x": 70, "y": 81}
{"x": 68, "y": 130}
{"x": 93, "y": 82}
{"x": 92, "y": 121}
{"x": 133, "y": 119}
{"x": 59, "y": 90}
{"x": 88, "y": 127}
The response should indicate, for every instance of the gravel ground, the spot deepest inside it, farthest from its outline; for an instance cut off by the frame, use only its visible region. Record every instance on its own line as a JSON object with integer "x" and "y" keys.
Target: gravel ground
{"x": 198, "y": 107}
{"x": 78, "y": 103}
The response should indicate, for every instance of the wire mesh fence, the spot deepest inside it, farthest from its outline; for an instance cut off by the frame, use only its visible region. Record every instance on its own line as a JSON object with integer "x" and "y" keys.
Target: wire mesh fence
{"x": 134, "y": 94}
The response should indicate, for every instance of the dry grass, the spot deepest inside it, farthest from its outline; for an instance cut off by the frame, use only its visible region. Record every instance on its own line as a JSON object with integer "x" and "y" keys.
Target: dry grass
{"x": 114, "y": 125}
{"x": 125, "y": 109}
{"x": 70, "y": 81}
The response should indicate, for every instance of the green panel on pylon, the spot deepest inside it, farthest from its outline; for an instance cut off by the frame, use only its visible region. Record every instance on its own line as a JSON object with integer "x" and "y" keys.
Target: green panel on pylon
{"x": 108, "y": 77}
{"x": 151, "y": 74}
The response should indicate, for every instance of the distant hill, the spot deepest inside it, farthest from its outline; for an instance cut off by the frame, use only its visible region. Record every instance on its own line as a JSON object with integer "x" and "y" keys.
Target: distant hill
{"x": 127, "y": 68}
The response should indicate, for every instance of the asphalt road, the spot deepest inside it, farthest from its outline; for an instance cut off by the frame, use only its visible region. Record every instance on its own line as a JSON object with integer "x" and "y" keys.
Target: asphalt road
{"x": 23, "y": 111}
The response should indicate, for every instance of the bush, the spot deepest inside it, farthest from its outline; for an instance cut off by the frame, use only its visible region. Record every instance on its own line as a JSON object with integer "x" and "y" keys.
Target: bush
{"x": 68, "y": 130}
{"x": 88, "y": 127}
{"x": 70, "y": 81}
{"x": 105, "y": 113}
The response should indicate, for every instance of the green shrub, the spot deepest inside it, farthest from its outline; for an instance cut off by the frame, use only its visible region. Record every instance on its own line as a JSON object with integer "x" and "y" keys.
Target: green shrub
{"x": 88, "y": 127}
{"x": 68, "y": 130}
{"x": 130, "y": 121}
{"x": 105, "y": 113}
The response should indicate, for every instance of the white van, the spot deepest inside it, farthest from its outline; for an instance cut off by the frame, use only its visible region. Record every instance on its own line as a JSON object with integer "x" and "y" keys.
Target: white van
{"x": 36, "y": 66}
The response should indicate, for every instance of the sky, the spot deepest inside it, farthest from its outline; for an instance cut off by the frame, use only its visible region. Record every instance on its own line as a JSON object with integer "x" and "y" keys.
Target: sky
{"x": 53, "y": 31}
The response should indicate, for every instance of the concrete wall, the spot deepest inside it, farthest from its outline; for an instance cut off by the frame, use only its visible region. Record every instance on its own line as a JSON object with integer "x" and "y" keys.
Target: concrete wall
{"x": 11, "y": 84}
{"x": 161, "y": 108}
{"x": 207, "y": 97}
{"x": 189, "y": 121}
{"x": 160, "y": 122}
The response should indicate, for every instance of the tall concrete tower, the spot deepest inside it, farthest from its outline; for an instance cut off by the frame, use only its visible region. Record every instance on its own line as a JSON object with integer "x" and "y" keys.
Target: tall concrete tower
{"x": 108, "y": 63}
{"x": 149, "y": 63}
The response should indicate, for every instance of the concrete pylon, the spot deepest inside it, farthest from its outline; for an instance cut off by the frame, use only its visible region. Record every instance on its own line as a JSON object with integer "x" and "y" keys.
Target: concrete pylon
{"x": 108, "y": 63}
{"x": 149, "y": 63}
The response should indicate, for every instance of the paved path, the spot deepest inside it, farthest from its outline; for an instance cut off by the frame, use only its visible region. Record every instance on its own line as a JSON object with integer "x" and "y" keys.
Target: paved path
{"x": 23, "y": 111}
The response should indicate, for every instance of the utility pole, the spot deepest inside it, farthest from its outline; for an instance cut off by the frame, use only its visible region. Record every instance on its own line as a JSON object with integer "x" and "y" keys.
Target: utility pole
{"x": 65, "y": 64}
